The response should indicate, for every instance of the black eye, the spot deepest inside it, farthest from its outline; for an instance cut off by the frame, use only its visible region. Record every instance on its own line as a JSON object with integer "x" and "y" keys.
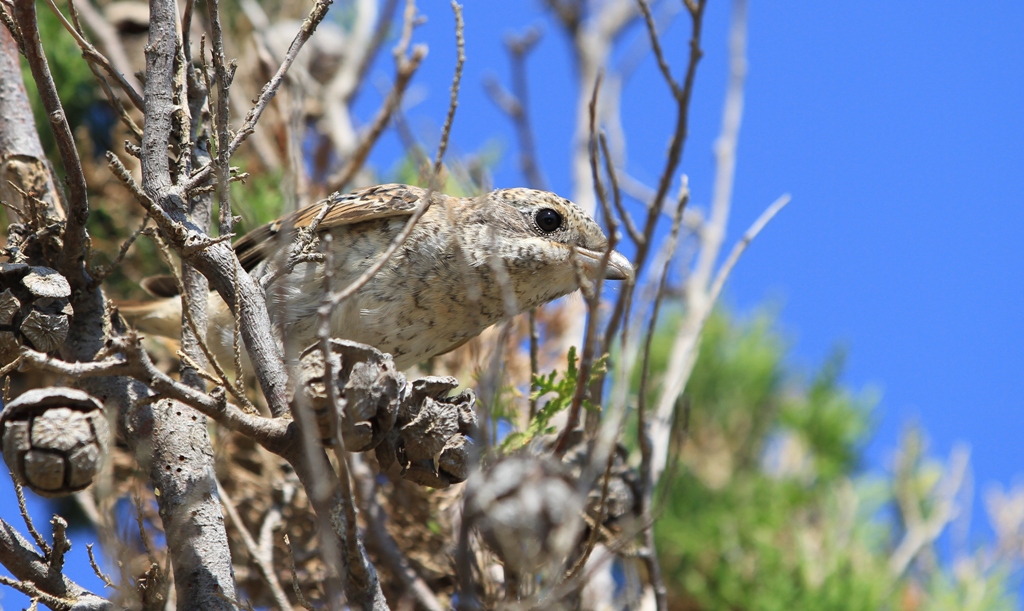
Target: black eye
{"x": 548, "y": 220}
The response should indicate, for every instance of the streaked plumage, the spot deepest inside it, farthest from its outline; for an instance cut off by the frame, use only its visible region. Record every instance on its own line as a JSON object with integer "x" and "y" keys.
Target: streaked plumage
{"x": 468, "y": 263}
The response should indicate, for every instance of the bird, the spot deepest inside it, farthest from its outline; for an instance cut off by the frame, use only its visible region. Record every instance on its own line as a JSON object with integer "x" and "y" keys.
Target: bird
{"x": 468, "y": 263}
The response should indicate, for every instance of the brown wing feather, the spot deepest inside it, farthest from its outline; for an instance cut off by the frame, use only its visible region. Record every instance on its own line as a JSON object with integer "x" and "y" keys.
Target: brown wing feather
{"x": 378, "y": 202}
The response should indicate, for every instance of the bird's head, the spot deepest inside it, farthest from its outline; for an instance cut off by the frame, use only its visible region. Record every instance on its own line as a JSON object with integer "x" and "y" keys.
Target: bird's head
{"x": 545, "y": 242}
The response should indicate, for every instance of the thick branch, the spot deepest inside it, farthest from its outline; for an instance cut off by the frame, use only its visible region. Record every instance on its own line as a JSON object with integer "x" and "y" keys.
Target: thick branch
{"x": 27, "y": 565}
{"x": 271, "y": 433}
{"x": 72, "y": 263}
{"x": 22, "y": 160}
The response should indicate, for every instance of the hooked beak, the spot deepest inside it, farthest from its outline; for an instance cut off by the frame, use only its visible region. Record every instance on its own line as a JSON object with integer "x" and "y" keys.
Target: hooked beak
{"x": 618, "y": 268}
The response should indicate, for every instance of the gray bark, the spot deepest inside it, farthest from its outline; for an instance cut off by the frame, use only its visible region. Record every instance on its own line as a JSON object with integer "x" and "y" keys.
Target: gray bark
{"x": 169, "y": 438}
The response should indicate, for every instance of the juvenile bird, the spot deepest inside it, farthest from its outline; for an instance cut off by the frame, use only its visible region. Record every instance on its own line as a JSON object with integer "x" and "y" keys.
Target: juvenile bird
{"x": 468, "y": 263}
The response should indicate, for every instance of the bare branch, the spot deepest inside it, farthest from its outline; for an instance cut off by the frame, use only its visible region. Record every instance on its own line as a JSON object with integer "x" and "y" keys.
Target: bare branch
{"x": 652, "y": 34}
{"x": 405, "y": 71}
{"x": 675, "y": 155}
{"x": 379, "y": 35}
{"x": 223, "y": 77}
{"x": 295, "y": 577}
{"x": 700, "y": 291}
{"x": 33, "y": 570}
{"x": 516, "y": 104}
{"x": 453, "y": 102}
{"x": 737, "y": 250}
{"x": 316, "y": 15}
{"x": 61, "y": 545}
{"x": 75, "y": 236}
{"x": 29, "y": 589}
{"x": 264, "y": 563}
{"x": 111, "y": 45}
{"x": 107, "y": 581}
{"x": 685, "y": 347}
{"x": 271, "y": 433}
{"x": 590, "y": 345}
{"x": 381, "y": 540}
{"x": 362, "y": 42}
{"x": 93, "y": 56}
{"x": 922, "y": 531}
{"x": 627, "y": 220}
{"x": 200, "y": 353}
{"x": 99, "y": 275}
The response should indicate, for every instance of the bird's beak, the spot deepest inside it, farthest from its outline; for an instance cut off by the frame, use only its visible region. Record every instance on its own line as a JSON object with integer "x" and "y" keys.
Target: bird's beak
{"x": 618, "y": 268}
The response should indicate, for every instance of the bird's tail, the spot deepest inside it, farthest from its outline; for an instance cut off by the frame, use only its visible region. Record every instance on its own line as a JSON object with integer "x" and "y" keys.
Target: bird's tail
{"x": 161, "y": 317}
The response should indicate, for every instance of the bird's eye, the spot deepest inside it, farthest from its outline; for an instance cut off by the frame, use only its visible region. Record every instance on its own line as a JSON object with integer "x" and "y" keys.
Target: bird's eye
{"x": 548, "y": 220}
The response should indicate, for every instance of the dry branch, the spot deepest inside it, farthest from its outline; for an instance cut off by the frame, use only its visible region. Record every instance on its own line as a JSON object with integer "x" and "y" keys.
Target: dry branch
{"x": 72, "y": 263}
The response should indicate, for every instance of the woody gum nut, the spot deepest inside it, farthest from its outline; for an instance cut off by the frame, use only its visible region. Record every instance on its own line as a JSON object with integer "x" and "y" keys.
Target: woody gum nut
{"x": 430, "y": 444}
{"x": 34, "y": 309}
{"x": 54, "y": 440}
{"x": 527, "y": 510}
{"x": 368, "y": 387}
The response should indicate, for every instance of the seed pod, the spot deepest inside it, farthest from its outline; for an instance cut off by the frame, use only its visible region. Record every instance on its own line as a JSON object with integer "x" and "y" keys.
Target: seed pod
{"x": 34, "y": 309}
{"x": 368, "y": 387}
{"x": 417, "y": 430}
{"x": 622, "y": 501}
{"x": 54, "y": 439}
{"x": 527, "y": 510}
{"x": 430, "y": 442}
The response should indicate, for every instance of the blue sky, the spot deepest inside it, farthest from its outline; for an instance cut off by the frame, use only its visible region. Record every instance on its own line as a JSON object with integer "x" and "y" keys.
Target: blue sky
{"x": 899, "y": 130}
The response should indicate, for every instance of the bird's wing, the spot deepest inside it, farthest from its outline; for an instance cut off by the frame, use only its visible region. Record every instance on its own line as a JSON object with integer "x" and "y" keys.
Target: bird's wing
{"x": 368, "y": 204}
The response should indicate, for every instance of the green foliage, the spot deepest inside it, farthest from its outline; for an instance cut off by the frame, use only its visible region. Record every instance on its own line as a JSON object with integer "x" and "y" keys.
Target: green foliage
{"x": 75, "y": 82}
{"x": 735, "y": 388}
{"x": 258, "y": 200}
{"x": 766, "y": 510}
{"x": 561, "y": 387}
{"x": 828, "y": 420}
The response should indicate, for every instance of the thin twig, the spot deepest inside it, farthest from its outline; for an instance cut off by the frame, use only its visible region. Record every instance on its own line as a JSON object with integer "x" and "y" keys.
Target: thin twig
{"x": 405, "y": 71}
{"x": 110, "y": 41}
{"x": 737, "y": 250}
{"x": 453, "y": 101}
{"x": 264, "y": 564}
{"x": 92, "y": 55}
{"x": 922, "y": 531}
{"x": 23, "y": 508}
{"x": 98, "y": 276}
{"x": 675, "y": 155}
{"x": 140, "y": 523}
{"x": 534, "y": 361}
{"x": 643, "y": 433}
{"x": 61, "y": 545}
{"x": 295, "y": 577}
{"x": 627, "y": 220}
{"x": 595, "y": 530}
{"x": 380, "y": 34}
{"x": 383, "y": 543}
{"x": 652, "y": 34}
{"x": 112, "y": 97}
{"x": 189, "y": 317}
{"x": 75, "y": 235}
{"x": 224, "y": 74}
{"x": 107, "y": 581}
{"x": 590, "y": 345}
{"x": 316, "y": 15}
